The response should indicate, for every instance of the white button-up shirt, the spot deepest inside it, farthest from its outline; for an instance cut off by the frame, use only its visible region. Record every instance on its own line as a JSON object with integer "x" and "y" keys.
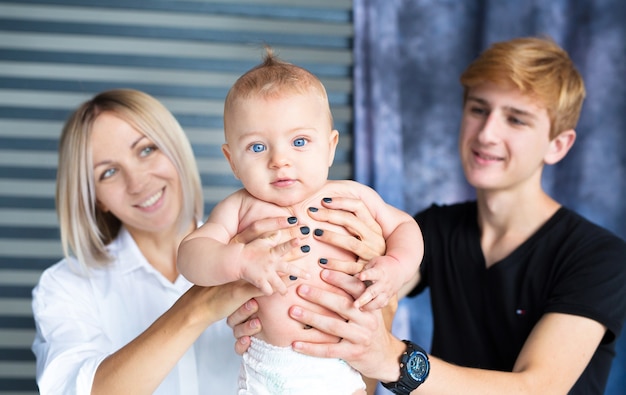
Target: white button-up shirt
{"x": 81, "y": 320}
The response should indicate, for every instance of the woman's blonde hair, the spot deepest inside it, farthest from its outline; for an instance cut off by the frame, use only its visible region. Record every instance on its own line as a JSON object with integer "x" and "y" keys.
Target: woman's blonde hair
{"x": 538, "y": 67}
{"x": 85, "y": 229}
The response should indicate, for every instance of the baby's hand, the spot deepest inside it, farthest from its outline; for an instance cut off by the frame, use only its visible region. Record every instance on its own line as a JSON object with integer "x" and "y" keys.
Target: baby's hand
{"x": 263, "y": 265}
{"x": 384, "y": 285}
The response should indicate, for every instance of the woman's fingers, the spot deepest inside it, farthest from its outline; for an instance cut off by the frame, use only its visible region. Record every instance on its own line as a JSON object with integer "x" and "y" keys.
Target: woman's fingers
{"x": 365, "y": 240}
{"x": 277, "y": 228}
{"x": 357, "y": 208}
{"x": 365, "y": 248}
{"x": 241, "y": 315}
{"x": 348, "y": 267}
{"x": 243, "y": 325}
{"x": 291, "y": 250}
{"x": 242, "y": 344}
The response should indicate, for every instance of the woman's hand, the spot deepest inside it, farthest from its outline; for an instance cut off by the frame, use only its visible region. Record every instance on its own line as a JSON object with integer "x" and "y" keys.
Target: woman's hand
{"x": 366, "y": 344}
{"x": 219, "y": 301}
{"x": 366, "y": 242}
{"x": 287, "y": 238}
{"x": 243, "y": 325}
{"x": 142, "y": 364}
{"x": 366, "y": 239}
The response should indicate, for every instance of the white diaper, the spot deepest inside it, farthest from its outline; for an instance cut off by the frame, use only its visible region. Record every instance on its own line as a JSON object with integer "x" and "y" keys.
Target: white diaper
{"x": 272, "y": 370}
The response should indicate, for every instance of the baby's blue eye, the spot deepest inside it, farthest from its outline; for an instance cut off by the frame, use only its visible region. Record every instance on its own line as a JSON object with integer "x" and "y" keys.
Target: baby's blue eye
{"x": 258, "y": 147}
{"x": 299, "y": 142}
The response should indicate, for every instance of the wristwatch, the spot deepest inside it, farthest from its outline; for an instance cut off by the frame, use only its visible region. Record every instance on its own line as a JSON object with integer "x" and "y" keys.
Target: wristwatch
{"x": 414, "y": 368}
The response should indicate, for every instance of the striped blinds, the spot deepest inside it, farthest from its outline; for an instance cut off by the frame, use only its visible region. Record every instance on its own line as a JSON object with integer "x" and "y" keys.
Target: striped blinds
{"x": 56, "y": 54}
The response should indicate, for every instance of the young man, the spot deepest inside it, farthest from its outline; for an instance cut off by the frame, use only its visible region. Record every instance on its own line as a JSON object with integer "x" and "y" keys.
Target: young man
{"x": 527, "y": 296}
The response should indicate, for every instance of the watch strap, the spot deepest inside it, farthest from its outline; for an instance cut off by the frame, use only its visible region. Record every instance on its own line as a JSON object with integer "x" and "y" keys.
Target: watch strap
{"x": 406, "y": 383}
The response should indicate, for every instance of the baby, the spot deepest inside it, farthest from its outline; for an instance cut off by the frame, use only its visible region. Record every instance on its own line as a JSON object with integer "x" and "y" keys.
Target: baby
{"x": 280, "y": 143}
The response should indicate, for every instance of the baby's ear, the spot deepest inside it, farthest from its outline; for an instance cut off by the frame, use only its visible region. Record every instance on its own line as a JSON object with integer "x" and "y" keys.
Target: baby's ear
{"x": 560, "y": 146}
{"x": 333, "y": 140}
{"x": 228, "y": 156}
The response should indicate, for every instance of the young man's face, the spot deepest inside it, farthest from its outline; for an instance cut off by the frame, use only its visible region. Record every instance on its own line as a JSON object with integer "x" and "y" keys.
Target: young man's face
{"x": 281, "y": 147}
{"x": 504, "y": 139}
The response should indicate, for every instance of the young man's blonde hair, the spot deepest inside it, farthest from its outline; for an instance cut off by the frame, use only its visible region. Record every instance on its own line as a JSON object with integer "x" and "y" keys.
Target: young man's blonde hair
{"x": 538, "y": 67}
{"x": 85, "y": 229}
{"x": 273, "y": 78}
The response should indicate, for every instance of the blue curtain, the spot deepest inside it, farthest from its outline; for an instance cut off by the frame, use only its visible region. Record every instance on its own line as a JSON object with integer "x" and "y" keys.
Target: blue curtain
{"x": 408, "y": 57}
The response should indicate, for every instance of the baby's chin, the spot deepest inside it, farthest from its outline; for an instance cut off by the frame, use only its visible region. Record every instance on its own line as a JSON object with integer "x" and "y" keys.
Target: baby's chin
{"x": 285, "y": 198}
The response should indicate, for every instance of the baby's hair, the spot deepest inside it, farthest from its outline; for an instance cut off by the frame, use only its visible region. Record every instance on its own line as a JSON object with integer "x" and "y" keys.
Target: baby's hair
{"x": 273, "y": 78}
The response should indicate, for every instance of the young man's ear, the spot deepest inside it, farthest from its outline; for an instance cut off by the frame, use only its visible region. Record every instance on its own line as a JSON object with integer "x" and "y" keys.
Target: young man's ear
{"x": 226, "y": 152}
{"x": 560, "y": 146}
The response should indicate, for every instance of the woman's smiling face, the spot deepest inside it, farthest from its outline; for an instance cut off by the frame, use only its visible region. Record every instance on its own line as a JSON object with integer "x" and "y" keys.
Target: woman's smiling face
{"x": 134, "y": 179}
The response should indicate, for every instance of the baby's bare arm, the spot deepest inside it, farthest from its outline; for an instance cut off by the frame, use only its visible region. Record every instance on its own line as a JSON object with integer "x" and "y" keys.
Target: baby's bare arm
{"x": 214, "y": 254}
{"x": 387, "y": 274}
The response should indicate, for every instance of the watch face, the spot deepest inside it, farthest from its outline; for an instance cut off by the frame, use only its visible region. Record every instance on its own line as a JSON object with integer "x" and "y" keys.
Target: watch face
{"x": 417, "y": 366}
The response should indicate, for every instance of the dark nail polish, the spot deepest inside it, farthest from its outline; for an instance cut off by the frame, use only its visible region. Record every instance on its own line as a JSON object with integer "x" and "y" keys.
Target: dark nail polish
{"x": 313, "y": 209}
{"x": 327, "y": 200}
{"x": 318, "y": 232}
{"x": 305, "y": 248}
{"x": 305, "y": 230}
{"x": 323, "y": 261}
{"x": 293, "y": 278}
{"x": 292, "y": 220}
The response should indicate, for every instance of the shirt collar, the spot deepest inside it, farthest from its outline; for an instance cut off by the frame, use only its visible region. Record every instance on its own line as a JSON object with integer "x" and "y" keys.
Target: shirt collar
{"x": 129, "y": 258}
{"x": 127, "y": 255}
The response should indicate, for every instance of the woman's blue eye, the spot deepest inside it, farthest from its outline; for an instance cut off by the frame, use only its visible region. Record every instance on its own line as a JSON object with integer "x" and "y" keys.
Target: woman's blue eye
{"x": 107, "y": 173}
{"x": 147, "y": 150}
{"x": 299, "y": 142}
{"x": 258, "y": 147}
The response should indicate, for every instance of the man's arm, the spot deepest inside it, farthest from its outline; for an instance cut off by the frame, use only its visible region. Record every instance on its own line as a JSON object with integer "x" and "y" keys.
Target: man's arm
{"x": 553, "y": 357}
{"x": 551, "y": 361}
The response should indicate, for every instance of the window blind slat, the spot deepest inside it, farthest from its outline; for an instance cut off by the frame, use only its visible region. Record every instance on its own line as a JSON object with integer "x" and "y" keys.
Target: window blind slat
{"x": 55, "y": 54}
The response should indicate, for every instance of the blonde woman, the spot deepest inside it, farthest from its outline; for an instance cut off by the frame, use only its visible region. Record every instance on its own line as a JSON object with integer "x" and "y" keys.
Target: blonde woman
{"x": 114, "y": 316}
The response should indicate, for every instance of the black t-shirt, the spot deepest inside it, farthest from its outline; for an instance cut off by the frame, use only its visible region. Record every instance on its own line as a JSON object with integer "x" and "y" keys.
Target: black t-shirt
{"x": 482, "y": 316}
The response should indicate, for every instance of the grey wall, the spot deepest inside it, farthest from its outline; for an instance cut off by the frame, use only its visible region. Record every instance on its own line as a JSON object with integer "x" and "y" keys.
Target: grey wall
{"x": 56, "y": 54}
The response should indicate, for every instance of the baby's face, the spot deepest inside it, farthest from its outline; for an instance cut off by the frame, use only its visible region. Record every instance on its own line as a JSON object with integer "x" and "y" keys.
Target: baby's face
{"x": 281, "y": 147}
